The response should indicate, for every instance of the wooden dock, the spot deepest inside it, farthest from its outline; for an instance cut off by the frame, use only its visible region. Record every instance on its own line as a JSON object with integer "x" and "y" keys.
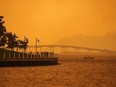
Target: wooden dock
{"x": 13, "y": 58}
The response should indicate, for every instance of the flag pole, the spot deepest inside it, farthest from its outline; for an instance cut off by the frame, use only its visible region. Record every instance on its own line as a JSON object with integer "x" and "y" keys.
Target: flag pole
{"x": 36, "y": 45}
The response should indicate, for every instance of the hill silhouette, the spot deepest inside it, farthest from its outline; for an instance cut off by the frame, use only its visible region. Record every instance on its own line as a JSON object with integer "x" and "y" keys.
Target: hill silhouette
{"x": 107, "y": 41}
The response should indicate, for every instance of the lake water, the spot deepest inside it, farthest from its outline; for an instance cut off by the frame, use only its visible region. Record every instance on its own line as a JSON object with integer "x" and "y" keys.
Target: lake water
{"x": 70, "y": 72}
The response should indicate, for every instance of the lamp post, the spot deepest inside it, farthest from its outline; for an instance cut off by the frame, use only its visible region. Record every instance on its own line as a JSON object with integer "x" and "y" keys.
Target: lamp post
{"x": 36, "y": 41}
{"x": 35, "y": 45}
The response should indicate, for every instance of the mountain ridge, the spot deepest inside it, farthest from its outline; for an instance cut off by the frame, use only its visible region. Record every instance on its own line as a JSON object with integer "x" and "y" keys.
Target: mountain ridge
{"x": 106, "y": 41}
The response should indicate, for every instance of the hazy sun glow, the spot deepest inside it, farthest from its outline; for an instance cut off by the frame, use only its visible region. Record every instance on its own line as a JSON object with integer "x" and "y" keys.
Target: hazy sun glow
{"x": 51, "y": 20}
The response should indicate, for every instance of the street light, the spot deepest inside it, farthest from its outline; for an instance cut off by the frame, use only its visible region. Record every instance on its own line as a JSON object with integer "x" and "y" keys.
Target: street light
{"x": 36, "y": 41}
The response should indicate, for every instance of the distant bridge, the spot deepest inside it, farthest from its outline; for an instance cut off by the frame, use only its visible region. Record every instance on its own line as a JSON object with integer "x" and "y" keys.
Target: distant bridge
{"x": 67, "y": 48}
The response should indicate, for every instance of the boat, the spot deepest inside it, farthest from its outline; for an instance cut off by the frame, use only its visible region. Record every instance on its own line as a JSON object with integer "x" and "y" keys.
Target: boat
{"x": 11, "y": 57}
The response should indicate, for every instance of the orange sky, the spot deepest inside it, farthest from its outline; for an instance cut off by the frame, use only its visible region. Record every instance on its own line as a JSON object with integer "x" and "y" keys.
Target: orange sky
{"x": 51, "y": 20}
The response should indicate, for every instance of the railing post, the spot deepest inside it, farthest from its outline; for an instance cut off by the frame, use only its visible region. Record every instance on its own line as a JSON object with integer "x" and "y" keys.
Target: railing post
{"x": 9, "y": 55}
{"x": 4, "y": 55}
{"x": 14, "y": 55}
{"x": 35, "y": 55}
{"x": 27, "y": 55}
{"x": 18, "y": 55}
{"x": 31, "y": 55}
{"x": 23, "y": 55}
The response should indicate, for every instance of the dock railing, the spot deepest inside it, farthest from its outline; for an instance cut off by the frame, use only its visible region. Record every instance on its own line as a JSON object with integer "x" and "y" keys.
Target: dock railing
{"x": 19, "y": 55}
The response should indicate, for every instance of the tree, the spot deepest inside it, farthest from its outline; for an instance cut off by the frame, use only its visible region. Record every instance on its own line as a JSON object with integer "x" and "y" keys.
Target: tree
{"x": 11, "y": 42}
{"x": 2, "y": 41}
{"x": 10, "y": 39}
{"x": 2, "y": 32}
{"x": 2, "y": 28}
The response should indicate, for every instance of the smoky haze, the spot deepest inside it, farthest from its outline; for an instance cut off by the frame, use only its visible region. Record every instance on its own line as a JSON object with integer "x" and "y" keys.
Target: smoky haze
{"x": 107, "y": 41}
{"x": 52, "y": 20}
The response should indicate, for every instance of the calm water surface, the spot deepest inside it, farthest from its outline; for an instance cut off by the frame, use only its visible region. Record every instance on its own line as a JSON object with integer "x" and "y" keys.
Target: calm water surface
{"x": 69, "y": 73}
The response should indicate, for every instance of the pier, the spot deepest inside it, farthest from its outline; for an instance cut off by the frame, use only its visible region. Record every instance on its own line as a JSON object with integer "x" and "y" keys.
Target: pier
{"x": 14, "y": 58}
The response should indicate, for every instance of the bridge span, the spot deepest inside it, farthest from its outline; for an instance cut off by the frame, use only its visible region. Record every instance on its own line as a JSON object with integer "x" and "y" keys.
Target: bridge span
{"x": 65, "y": 48}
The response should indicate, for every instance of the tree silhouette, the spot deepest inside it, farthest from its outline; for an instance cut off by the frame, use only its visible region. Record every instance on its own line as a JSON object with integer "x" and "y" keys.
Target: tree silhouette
{"x": 9, "y": 39}
{"x": 2, "y": 32}
{"x": 11, "y": 42}
{"x": 2, "y": 41}
{"x": 22, "y": 44}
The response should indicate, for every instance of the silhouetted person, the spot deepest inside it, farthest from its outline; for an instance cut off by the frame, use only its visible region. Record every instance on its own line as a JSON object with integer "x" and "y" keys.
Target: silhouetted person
{"x": 42, "y": 54}
{"x": 38, "y": 55}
